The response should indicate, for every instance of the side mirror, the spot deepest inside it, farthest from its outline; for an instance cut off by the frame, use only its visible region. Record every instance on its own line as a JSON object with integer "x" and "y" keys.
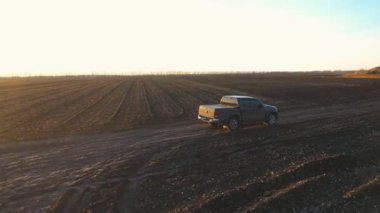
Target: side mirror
{"x": 261, "y": 105}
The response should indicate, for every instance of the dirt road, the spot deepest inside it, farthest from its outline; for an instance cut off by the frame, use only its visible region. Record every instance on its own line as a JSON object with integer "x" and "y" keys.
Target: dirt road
{"x": 105, "y": 171}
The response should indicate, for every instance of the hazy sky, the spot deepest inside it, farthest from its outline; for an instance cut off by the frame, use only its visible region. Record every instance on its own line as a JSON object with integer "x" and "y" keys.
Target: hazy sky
{"x": 110, "y": 36}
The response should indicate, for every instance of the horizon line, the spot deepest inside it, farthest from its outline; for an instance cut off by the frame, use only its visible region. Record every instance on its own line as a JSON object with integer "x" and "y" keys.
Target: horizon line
{"x": 163, "y": 73}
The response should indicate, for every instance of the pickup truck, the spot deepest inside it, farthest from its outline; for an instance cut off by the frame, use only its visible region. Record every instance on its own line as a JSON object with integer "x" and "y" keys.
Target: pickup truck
{"x": 234, "y": 111}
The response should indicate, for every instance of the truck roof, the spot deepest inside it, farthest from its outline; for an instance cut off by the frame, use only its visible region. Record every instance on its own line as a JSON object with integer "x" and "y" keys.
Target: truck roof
{"x": 237, "y": 96}
{"x": 232, "y": 99}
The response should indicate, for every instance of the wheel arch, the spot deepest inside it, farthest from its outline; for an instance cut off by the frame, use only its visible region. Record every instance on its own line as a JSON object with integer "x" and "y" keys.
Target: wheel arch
{"x": 271, "y": 112}
{"x": 234, "y": 116}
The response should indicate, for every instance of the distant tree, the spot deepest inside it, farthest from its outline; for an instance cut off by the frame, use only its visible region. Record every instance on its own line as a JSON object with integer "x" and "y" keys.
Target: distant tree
{"x": 375, "y": 70}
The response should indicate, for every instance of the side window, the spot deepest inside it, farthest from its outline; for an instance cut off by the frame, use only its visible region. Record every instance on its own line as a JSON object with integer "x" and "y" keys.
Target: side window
{"x": 254, "y": 103}
{"x": 249, "y": 103}
{"x": 244, "y": 103}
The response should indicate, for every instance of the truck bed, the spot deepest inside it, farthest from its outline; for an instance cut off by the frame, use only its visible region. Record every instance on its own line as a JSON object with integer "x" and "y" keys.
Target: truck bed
{"x": 209, "y": 110}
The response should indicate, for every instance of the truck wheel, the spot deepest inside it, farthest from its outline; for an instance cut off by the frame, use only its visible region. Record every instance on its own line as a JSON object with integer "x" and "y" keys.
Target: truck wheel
{"x": 233, "y": 124}
{"x": 272, "y": 119}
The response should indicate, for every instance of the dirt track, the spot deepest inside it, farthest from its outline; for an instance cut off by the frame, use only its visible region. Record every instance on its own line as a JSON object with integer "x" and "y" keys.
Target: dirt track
{"x": 185, "y": 166}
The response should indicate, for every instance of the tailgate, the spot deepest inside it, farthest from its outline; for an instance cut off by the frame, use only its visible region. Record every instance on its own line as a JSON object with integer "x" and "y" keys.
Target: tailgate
{"x": 206, "y": 111}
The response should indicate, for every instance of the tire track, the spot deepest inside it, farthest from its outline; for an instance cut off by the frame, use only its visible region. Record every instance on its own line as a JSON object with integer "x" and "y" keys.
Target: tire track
{"x": 137, "y": 107}
{"x": 25, "y": 93}
{"x": 33, "y": 99}
{"x": 187, "y": 100}
{"x": 264, "y": 203}
{"x": 204, "y": 97}
{"x": 134, "y": 110}
{"x": 146, "y": 100}
{"x": 168, "y": 107}
{"x": 216, "y": 91}
{"x": 371, "y": 187}
{"x": 232, "y": 200}
{"x": 58, "y": 114}
{"x": 103, "y": 113}
{"x": 39, "y": 119}
{"x": 34, "y": 111}
{"x": 88, "y": 111}
{"x": 118, "y": 117}
{"x": 180, "y": 101}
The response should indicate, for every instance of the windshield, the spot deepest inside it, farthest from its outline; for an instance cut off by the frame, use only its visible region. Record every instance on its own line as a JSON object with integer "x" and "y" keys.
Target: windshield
{"x": 228, "y": 103}
{"x": 226, "y": 100}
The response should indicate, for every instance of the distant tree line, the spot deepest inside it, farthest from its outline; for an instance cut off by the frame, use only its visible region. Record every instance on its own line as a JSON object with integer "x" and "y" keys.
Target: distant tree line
{"x": 375, "y": 70}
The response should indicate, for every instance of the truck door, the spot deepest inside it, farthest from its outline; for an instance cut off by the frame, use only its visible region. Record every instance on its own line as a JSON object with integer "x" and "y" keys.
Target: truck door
{"x": 258, "y": 110}
{"x": 247, "y": 111}
{"x": 251, "y": 110}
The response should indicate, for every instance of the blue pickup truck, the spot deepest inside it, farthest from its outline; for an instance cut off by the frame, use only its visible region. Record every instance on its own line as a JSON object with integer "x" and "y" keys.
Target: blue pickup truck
{"x": 234, "y": 111}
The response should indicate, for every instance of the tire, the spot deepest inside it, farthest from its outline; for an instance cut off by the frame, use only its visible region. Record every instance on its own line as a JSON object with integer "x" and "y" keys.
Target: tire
{"x": 233, "y": 124}
{"x": 271, "y": 119}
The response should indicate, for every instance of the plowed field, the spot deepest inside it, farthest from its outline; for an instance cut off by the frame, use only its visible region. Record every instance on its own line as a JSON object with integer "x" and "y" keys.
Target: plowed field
{"x": 43, "y": 107}
{"x": 133, "y": 144}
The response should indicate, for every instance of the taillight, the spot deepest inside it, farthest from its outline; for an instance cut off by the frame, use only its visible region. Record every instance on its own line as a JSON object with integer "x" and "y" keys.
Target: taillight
{"x": 216, "y": 113}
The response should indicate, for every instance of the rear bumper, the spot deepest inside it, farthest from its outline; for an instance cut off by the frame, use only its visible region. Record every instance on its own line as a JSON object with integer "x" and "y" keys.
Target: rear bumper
{"x": 209, "y": 120}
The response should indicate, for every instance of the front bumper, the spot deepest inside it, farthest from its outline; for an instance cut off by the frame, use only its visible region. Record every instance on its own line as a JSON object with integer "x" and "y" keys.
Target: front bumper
{"x": 209, "y": 120}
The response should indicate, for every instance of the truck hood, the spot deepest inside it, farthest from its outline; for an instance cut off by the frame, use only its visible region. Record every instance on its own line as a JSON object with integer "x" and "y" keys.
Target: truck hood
{"x": 270, "y": 108}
